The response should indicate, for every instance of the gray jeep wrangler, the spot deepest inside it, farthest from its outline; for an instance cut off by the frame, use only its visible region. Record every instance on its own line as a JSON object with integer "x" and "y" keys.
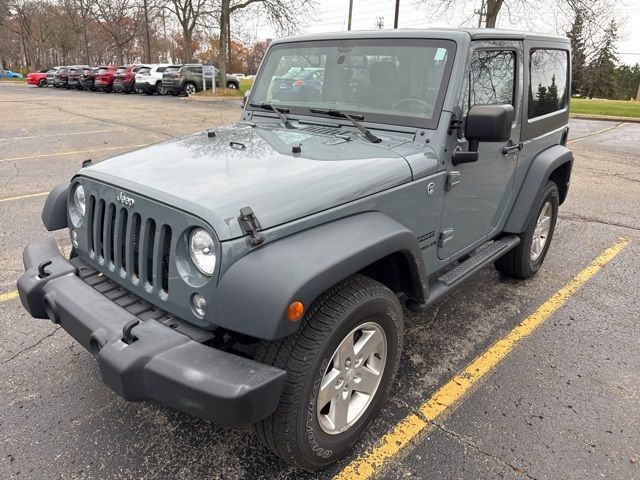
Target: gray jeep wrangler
{"x": 256, "y": 273}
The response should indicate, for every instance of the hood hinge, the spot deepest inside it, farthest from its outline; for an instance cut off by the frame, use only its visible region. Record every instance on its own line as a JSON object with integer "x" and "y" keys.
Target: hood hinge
{"x": 249, "y": 224}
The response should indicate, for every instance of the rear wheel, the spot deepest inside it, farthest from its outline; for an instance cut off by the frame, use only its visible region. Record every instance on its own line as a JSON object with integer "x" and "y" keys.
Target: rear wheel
{"x": 525, "y": 260}
{"x": 42, "y": 83}
{"x": 161, "y": 89}
{"x": 232, "y": 85}
{"x": 340, "y": 364}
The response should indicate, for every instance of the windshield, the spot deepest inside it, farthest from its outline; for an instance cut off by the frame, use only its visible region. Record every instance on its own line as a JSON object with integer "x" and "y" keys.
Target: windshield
{"x": 386, "y": 80}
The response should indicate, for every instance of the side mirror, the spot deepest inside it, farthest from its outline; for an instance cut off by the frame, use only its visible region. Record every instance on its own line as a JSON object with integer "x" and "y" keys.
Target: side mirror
{"x": 485, "y": 123}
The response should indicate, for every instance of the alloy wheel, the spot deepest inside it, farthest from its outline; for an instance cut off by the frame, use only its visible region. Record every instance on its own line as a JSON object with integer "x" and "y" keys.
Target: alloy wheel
{"x": 541, "y": 232}
{"x": 352, "y": 378}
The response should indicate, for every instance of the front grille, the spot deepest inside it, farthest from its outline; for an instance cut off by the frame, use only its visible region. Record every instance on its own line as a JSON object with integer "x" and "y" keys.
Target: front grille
{"x": 137, "y": 248}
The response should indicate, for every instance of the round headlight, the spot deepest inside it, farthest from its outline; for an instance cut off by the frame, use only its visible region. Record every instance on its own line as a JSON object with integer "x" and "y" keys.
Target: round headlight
{"x": 202, "y": 249}
{"x": 79, "y": 200}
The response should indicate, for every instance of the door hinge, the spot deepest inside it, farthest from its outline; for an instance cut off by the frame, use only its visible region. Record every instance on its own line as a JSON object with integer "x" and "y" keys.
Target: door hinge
{"x": 454, "y": 124}
{"x": 453, "y": 178}
{"x": 250, "y": 224}
{"x": 445, "y": 236}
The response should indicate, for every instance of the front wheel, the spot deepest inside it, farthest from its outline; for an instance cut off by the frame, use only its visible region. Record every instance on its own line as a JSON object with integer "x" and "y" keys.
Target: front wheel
{"x": 525, "y": 260}
{"x": 42, "y": 83}
{"x": 340, "y": 364}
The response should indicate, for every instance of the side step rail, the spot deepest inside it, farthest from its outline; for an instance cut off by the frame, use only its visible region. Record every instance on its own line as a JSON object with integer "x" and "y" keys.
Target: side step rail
{"x": 454, "y": 277}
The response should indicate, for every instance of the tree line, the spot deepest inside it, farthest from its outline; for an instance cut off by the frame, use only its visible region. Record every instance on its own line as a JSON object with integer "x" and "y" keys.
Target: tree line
{"x": 36, "y": 34}
{"x": 595, "y": 70}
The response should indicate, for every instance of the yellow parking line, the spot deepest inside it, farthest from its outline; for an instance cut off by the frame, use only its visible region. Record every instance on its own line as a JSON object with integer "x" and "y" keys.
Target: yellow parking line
{"x": 5, "y": 297}
{"x": 415, "y": 424}
{"x": 77, "y": 152}
{"x": 61, "y": 134}
{"x": 22, "y": 197}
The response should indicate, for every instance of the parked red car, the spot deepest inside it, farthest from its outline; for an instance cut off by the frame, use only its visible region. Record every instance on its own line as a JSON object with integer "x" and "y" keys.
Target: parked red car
{"x": 104, "y": 77}
{"x": 125, "y": 78}
{"x": 38, "y": 78}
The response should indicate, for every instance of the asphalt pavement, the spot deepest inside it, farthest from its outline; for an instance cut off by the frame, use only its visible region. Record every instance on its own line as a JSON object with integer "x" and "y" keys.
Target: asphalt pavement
{"x": 563, "y": 404}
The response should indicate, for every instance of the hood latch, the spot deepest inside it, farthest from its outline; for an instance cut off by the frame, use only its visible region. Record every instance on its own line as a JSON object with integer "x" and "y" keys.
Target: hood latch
{"x": 250, "y": 224}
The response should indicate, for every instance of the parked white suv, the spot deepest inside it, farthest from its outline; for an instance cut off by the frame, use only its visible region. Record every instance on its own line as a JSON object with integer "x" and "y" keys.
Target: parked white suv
{"x": 149, "y": 79}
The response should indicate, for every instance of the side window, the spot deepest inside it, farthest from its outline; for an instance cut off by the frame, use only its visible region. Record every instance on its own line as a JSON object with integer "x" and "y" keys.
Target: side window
{"x": 491, "y": 79}
{"x": 547, "y": 81}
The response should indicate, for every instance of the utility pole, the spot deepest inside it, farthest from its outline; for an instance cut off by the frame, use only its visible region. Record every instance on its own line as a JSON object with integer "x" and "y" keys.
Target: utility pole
{"x": 350, "y": 12}
{"x": 482, "y": 12}
{"x": 380, "y": 23}
{"x": 395, "y": 20}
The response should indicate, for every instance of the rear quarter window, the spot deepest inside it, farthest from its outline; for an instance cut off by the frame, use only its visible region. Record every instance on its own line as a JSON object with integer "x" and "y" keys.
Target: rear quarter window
{"x": 548, "y": 76}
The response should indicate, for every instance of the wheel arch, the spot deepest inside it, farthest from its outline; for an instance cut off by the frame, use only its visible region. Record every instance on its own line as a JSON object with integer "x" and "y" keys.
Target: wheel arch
{"x": 253, "y": 294}
{"x": 54, "y": 212}
{"x": 555, "y": 164}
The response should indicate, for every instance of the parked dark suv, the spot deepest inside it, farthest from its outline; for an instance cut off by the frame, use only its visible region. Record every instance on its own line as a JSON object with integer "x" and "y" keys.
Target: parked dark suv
{"x": 88, "y": 78}
{"x": 188, "y": 79}
{"x": 74, "y": 76}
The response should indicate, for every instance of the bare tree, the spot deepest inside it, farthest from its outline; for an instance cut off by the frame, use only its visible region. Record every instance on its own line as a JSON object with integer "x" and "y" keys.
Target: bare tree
{"x": 283, "y": 15}
{"x": 121, "y": 20}
{"x": 189, "y": 13}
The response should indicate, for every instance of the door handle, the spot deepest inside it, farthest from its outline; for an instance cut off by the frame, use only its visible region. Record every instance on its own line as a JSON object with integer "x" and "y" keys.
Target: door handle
{"x": 512, "y": 147}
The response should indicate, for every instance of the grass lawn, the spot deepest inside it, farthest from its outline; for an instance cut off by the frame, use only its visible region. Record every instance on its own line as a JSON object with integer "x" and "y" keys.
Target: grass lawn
{"x": 245, "y": 84}
{"x": 615, "y": 108}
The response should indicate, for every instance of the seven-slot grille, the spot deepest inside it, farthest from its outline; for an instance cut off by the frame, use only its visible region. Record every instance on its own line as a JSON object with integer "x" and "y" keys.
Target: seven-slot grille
{"x": 136, "y": 247}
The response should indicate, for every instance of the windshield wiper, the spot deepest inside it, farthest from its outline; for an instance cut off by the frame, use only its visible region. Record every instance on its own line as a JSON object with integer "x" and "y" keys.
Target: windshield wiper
{"x": 352, "y": 118}
{"x": 286, "y": 123}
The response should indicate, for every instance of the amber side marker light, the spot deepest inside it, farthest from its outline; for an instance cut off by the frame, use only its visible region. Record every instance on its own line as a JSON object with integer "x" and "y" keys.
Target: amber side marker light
{"x": 295, "y": 311}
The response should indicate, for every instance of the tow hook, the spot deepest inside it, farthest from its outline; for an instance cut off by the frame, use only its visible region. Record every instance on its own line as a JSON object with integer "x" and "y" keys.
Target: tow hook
{"x": 42, "y": 273}
{"x": 127, "y": 336}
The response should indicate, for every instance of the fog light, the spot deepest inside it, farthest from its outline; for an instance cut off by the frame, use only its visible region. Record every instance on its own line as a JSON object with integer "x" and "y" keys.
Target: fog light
{"x": 199, "y": 304}
{"x": 74, "y": 238}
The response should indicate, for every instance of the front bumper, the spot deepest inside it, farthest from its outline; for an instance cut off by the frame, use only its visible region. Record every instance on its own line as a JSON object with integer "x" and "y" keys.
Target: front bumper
{"x": 159, "y": 363}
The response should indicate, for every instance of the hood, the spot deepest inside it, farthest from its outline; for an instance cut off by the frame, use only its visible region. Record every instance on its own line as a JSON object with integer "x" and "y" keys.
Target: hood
{"x": 244, "y": 165}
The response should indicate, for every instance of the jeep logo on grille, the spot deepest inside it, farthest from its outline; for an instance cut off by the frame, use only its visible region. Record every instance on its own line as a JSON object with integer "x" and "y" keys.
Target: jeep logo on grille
{"x": 125, "y": 200}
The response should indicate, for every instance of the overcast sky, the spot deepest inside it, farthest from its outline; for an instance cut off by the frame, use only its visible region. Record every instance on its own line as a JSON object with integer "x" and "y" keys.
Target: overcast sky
{"x": 331, "y": 15}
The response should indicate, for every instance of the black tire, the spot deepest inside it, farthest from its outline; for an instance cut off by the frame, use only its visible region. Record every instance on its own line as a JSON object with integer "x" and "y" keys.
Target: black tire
{"x": 518, "y": 262}
{"x": 293, "y": 431}
{"x": 160, "y": 89}
{"x": 190, "y": 89}
{"x": 42, "y": 83}
{"x": 233, "y": 85}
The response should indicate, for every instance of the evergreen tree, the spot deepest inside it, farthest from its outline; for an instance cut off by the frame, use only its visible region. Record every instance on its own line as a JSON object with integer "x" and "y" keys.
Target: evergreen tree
{"x": 551, "y": 103}
{"x": 578, "y": 55}
{"x": 601, "y": 78}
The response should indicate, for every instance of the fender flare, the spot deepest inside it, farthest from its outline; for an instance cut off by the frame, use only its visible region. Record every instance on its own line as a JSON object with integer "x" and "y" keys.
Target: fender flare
{"x": 54, "y": 212}
{"x": 252, "y": 296}
{"x": 540, "y": 170}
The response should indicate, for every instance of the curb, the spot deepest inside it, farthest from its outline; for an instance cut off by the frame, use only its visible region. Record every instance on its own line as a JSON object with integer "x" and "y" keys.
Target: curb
{"x": 610, "y": 118}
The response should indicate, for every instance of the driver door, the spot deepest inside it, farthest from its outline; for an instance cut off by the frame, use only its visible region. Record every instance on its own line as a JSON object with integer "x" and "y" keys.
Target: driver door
{"x": 478, "y": 193}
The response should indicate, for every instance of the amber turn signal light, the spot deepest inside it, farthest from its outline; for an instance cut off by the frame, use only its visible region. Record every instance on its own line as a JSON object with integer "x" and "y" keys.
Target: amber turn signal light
{"x": 295, "y": 311}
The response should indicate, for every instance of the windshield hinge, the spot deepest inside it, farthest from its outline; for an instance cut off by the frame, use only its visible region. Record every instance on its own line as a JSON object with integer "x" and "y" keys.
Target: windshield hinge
{"x": 250, "y": 224}
{"x": 454, "y": 124}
